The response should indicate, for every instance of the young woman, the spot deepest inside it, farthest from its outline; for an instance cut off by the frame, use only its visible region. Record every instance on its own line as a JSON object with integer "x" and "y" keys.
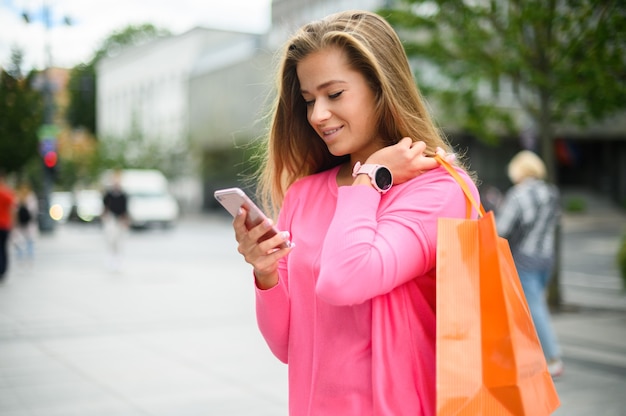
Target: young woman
{"x": 347, "y": 171}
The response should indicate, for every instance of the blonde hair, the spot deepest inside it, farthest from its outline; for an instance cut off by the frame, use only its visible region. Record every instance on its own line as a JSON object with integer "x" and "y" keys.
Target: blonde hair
{"x": 293, "y": 149}
{"x": 526, "y": 164}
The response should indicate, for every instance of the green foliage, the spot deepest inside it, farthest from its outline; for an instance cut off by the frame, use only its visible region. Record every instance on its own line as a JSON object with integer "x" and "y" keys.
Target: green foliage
{"x": 551, "y": 62}
{"x": 21, "y": 114}
{"x": 576, "y": 204}
{"x": 621, "y": 260}
{"x": 81, "y": 111}
{"x": 137, "y": 152}
{"x": 130, "y": 35}
{"x": 68, "y": 174}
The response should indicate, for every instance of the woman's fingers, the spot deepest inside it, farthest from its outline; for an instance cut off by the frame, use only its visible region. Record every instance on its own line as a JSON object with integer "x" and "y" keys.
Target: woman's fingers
{"x": 261, "y": 245}
{"x": 418, "y": 146}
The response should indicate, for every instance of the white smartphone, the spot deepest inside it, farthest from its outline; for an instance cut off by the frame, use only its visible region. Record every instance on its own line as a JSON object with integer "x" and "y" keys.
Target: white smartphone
{"x": 234, "y": 198}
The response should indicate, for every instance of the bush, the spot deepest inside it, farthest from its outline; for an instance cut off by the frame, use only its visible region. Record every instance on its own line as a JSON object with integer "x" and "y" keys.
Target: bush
{"x": 621, "y": 260}
{"x": 576, "y": 204}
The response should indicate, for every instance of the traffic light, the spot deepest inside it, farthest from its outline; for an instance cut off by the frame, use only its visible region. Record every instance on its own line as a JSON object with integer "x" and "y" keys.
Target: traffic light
{"x": 50, "y": 159}
{"x": 48, "y": 152}
{"x": 50, "y": 164}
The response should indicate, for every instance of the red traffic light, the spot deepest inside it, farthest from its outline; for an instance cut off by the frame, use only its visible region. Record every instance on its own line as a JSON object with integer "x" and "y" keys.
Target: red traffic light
{"x": 50, "y": 159}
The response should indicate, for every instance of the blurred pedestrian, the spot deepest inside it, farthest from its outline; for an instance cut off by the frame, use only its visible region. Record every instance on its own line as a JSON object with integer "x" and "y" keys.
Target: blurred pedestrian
{"x": 115, "y": 219}
{"x": 528, "y": 217}
{"x": 7, "y": 208}
{"x": 358, "y": 197}
{"x": 25, "y": 229}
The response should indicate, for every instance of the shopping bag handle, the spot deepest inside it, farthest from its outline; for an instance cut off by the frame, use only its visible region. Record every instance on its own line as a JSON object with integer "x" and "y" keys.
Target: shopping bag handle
{"x": 468, "y": 195}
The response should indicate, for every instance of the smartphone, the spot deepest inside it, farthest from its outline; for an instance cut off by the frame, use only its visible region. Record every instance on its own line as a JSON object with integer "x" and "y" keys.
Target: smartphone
{"x": 234, "y": 198}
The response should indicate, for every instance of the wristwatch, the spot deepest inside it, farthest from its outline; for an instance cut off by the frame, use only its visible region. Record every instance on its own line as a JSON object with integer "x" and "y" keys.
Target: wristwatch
{"x": 380, "y": 175}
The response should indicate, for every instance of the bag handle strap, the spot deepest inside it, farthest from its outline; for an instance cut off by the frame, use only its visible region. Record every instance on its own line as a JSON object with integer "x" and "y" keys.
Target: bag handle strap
{"x": 468, "y": 195}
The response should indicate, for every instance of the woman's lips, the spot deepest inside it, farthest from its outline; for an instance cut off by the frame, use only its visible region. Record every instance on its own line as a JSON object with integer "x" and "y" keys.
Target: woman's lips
{"x": 330, "y": 134}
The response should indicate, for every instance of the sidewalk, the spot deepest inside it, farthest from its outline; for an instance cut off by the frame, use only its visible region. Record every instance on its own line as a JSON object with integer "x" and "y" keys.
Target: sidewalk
{"x": 172, "y": 334}
{"x": 590, "y": 241}
{"x": 592, "y": 324}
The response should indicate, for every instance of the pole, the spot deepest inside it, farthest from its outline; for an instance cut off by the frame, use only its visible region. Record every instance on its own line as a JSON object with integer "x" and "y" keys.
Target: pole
{"x": 46, "y": 223}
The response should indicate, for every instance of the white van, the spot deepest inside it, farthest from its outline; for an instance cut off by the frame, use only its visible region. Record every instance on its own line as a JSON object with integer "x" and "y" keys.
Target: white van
{"x": 149, "y": 199}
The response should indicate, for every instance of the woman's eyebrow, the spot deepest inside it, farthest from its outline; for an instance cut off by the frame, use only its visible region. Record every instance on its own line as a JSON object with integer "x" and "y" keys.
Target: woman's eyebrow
{"x": 325, "y": 85}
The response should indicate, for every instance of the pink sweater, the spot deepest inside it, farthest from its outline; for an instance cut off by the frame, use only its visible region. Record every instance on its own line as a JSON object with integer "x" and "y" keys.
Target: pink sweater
{"x": 356, "y": 250}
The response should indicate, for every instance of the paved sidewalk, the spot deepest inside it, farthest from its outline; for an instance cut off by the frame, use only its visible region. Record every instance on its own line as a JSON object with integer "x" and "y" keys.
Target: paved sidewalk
{"x": 592, "y": 325}
{"x": 590, "y": 241}
{"x": 173, "y": 334}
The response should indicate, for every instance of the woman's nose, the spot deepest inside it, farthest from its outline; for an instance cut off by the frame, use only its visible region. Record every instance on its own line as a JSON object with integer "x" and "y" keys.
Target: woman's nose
{"x": 319, "y": 112}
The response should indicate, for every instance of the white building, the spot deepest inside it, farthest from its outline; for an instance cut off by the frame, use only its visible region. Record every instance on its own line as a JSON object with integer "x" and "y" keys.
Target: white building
{"x": 146, "y": 88}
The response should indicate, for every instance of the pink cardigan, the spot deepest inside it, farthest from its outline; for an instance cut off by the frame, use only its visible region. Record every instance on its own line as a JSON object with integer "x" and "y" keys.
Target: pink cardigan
{"x": 353, "y": 314}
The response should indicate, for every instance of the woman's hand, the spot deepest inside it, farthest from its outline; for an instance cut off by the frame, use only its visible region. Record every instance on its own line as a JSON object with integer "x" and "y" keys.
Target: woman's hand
{"x": 406, "y": 159}
{"x": 263, "y": 255}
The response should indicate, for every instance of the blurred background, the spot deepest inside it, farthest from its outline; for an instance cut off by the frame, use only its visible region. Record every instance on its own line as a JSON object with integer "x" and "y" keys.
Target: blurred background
{"x": 184, "y": 87}
{"x": 176, "y": 93}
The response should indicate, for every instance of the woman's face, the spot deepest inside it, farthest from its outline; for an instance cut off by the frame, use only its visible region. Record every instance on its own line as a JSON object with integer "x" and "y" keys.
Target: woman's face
{"x": 340, "y": 104}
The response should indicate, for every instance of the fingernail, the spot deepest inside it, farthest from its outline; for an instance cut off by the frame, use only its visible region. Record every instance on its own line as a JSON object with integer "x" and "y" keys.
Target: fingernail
{"x": 239, "y": 211}
{"x": 285, "y": 235}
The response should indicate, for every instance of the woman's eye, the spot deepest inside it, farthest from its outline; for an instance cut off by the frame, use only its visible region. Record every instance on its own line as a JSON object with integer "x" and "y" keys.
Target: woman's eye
{"x": 335, "y": 95}
{"x": 309, "y": 103}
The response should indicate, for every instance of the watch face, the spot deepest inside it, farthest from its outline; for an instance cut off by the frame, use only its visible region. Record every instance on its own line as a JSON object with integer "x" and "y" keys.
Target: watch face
{"x": 383, "y": 178}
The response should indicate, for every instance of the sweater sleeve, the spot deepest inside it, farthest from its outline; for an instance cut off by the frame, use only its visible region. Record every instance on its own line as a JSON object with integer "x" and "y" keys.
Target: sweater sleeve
{"x": 273, "y": 305}
{"x": 373, "y": 246}
{"x": 272, "y": 312}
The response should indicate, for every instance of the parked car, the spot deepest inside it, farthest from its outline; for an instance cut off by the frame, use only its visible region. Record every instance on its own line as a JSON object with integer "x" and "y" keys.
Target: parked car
{"x": 149, "y": 200}
{"x": 89, "y": 206}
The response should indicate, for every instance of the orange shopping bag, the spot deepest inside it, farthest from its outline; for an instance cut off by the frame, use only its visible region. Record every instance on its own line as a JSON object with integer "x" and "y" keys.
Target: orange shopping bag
{"x": 489, "y": 359}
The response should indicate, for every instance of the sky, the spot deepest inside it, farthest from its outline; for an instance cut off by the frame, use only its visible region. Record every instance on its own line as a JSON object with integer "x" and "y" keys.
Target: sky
{"x": 92, "y": 21}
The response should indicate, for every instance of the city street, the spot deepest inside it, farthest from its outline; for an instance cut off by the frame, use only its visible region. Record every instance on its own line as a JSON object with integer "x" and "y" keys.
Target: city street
{"x": 174, "y": 332}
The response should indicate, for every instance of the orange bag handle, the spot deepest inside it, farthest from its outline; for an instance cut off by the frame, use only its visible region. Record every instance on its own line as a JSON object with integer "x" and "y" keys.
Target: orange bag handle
{"x": 468, "y": 195}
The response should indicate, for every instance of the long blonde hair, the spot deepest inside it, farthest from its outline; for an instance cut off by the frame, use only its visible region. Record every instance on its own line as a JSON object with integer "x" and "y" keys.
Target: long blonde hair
{"x": 293, "y": 149}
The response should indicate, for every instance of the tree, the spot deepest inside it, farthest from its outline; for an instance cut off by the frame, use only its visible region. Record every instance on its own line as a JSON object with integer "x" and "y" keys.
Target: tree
{"x": 81, "y": 111}
{"x": 562, "y": 61}
{"x": 131, "y": 35}
{"x": 21, "y": 114}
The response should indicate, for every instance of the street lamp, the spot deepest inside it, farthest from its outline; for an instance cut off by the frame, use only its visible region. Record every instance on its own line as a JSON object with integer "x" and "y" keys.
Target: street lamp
{"x": 48, "y": 132}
